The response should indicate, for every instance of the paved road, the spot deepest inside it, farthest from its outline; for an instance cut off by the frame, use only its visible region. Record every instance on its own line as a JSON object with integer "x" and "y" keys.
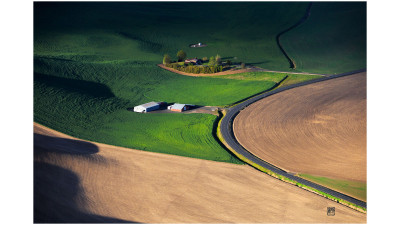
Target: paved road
{"x": 228, "y": 135}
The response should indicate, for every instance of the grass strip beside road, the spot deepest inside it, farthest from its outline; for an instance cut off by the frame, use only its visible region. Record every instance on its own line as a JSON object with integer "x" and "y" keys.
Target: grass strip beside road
{"x": 355, "y": 189}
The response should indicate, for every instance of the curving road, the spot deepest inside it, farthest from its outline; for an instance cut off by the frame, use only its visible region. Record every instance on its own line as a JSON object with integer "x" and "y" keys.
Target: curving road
{"x": 228, "y": 135}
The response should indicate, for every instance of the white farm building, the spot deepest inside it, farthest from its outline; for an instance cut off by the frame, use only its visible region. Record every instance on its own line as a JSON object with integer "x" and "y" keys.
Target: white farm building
{"x": 150, "y": 106}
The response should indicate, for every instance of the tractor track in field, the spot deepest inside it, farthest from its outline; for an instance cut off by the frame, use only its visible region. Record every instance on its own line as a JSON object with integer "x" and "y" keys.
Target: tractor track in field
{"x": 230, "y": 139}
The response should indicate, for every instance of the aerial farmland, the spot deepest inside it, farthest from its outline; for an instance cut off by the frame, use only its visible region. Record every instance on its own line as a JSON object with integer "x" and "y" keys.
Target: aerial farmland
{"x": 148, "y": 101}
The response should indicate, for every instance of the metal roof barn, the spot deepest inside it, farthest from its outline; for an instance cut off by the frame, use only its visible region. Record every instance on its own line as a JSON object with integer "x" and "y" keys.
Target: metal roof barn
{"x": 147, "y": 107}
{"x": 177, "y": 107}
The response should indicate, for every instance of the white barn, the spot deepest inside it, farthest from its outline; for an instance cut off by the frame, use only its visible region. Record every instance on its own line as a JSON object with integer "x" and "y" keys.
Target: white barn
{"x": 150, "y": 106}
{"x": 177, "y": 107}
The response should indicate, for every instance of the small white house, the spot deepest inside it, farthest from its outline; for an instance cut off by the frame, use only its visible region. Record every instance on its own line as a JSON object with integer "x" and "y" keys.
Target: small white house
{"x": 150, "y": 106}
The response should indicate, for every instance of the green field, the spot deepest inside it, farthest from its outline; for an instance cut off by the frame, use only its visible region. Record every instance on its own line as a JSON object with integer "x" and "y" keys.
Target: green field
{"x": 241, "y": 32}
{"x": 92, "y": 61}
{"x": 353, "y": 188}
{"x": 297, "y": 78}
{"x": 332, "y": 40}
{"x": 70, "y": 99}
{"x": 90, "y": 67}
{"x": 271, "y": 76}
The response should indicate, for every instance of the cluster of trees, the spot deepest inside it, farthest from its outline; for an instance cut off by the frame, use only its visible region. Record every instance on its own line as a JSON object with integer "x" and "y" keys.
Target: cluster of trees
{"x": 181, "y": 57}
{"x": 214, "y": 64}
{"x": 196, "y": 69}
{"x": 215, "y": 61}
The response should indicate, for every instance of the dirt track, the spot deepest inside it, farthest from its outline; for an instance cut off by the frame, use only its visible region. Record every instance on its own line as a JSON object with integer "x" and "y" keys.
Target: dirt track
{"x": 80, "y": 181}
{"x": 318, "y": 129}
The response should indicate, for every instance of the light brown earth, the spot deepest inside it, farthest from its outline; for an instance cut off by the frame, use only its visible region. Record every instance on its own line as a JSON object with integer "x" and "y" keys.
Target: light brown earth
{"x": 81, "y": 181}
{"x": 317, "y": 129}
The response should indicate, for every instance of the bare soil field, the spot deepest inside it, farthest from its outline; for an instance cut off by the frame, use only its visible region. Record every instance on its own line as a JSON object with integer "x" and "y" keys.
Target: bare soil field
{"x": 317, "y": 129}
{"x": 82, "y": 181}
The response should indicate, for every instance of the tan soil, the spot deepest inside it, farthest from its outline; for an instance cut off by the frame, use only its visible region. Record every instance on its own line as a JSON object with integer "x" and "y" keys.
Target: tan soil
{"x": 318, "y": 129}
{"x": 206, "y": 74}
{"x": 81, "y": 181}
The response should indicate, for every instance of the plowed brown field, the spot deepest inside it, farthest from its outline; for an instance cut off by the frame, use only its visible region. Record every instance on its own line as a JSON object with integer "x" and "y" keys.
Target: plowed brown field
{"x": 81, "y": 181}
{"x": 317, "y": 129}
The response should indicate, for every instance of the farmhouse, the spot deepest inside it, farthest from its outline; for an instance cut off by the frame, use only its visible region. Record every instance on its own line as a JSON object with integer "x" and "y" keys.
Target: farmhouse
{"x": 150, "y": 106}
{"x": 178, "y": 107}
{"x": 194, "y": 61}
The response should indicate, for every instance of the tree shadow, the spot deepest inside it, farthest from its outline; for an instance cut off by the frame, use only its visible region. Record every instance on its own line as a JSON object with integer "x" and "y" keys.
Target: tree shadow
{"x": 257, "y": 63}
{"x": 48, "y": 144}
{"x": 58, "y": 194}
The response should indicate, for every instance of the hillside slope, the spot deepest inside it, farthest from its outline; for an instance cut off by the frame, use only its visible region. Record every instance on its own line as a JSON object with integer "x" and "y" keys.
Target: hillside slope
{"x": 332, "y": 40}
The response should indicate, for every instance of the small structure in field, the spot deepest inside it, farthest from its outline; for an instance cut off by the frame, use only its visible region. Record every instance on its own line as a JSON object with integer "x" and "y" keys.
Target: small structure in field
{"x": 195, "y": 61}
{"x": 178, "y": 107}
{"x": 147, "y": 107}
{"x": 198, "y": 45}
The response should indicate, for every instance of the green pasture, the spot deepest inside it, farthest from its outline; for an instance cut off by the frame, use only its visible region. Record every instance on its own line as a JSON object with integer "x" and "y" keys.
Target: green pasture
{"x": 239, "y": 31}
{"x": 70, "y": 99}
{"x": 297, "y": 78}
{"x": 332, "y": 40}
{"x": 353, "y": 188}
{"x": 271, "y": 77}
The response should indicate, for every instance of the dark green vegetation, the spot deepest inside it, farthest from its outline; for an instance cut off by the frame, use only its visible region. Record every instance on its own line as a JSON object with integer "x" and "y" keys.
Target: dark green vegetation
{"x": 196, "y": 69}
{"x": 332, "y": 40}
{"x": 353, "y": 188}
{"x": 297, "y": 78}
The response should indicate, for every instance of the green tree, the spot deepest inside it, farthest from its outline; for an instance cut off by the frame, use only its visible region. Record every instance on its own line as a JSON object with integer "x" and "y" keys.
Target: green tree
{"x": 211, "y": 62}
{"x": 181, "y": 55}
{"x": 166, "y": 59}
{"x": 204, "y": 59}
{"x": 218, "y": 60}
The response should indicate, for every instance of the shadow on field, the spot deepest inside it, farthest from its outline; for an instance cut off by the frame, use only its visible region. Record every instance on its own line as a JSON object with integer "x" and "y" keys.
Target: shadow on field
{"x": 79, "y": 86}
{"x": 58, "y": 195}
{"x": 257, "y": 63}
{"x": 47, "y": 144}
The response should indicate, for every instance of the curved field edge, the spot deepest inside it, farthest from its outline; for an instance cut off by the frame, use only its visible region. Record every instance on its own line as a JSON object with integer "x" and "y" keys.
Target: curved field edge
{"x": 285, "y": 179}
{"x": 352, "y": 188}
{"x": 332, "y": 40}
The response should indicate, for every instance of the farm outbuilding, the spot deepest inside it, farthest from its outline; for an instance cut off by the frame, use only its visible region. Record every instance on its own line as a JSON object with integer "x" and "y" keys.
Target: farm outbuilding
{"x": 147, "y": 107}
{"x": 178, "y": 107}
